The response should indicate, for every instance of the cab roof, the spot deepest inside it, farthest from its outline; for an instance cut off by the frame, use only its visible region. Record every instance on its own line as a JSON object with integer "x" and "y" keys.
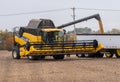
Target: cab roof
{"x": 41, "y": 23}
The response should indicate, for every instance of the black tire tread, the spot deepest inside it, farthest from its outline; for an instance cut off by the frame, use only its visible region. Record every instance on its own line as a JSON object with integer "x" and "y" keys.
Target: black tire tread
{"x": 16, "y": 49}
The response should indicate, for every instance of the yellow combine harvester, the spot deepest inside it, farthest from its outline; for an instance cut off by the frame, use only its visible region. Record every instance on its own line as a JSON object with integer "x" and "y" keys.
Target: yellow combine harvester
{"x": 41, "y": 38}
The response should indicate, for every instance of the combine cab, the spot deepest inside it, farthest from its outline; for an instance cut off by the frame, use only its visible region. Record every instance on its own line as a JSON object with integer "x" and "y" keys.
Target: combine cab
{"x": 41, "y": 38}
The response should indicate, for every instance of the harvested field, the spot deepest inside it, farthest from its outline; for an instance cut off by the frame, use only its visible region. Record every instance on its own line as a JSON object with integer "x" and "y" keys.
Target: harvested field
{"x": 71, "y": 69}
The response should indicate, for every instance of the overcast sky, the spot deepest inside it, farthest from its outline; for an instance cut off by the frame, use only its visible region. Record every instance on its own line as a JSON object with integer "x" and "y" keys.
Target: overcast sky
{"x": 111, "y": 19}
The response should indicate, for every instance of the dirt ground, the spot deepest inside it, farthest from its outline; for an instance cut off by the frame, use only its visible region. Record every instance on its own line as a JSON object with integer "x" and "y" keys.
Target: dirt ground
{"x": 71, "y": 69}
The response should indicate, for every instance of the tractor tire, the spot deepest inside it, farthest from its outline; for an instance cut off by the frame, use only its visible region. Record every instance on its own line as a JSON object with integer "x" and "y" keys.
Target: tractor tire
{"x": 117, "y": 53}
{"x": 16, "y": 53}
{"x": 58, "y": 57}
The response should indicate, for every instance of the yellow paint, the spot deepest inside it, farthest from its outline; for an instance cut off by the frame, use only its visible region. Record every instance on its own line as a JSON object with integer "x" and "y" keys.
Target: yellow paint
{"x": 118, "y": 52}
{"x": 100, "y": 47}
{"x": 51, "y": 30}
{"x": 20, "y": 41}
{"x": 32, "y": 38}
{"x": 101, "y": 27}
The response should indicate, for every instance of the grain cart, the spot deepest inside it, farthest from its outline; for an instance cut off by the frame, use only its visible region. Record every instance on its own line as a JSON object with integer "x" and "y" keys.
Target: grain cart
{"x": 41, "y": 38}
{"x": 110, "y": 41}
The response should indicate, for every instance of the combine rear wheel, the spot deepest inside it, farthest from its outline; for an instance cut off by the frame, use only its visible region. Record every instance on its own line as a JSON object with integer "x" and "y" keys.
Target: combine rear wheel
{"x": 117, "y": 53}
{"x": 57, "y": 57}
{"x": 16, "y": 53}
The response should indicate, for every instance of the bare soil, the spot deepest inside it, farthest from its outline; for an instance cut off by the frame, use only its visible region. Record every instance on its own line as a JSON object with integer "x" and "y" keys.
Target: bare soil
{"x": 71, "y": 69}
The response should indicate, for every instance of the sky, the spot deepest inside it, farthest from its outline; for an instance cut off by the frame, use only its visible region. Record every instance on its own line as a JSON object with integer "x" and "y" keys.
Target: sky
{"x": 110, "y": 19}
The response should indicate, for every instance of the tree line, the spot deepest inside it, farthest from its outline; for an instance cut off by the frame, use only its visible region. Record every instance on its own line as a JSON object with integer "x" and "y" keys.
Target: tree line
{"x": 6, "y": 40}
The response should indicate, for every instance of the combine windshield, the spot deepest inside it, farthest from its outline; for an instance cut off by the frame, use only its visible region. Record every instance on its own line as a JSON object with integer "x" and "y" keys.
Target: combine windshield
{"x": 54, "y": 36}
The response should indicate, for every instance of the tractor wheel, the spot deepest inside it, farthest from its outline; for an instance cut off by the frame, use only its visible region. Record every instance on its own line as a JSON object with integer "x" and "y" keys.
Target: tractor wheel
{"x": 109, "y": 55}
{"x": 58, "y": 57}
{"x": 117, "y": 53}
{"x": 16, "y": 53}
{"x": 80, "y": 55}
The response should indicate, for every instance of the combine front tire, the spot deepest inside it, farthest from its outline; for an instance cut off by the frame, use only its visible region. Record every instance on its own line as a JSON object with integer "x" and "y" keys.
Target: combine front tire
{"x": 16, "y": 53}
{"x": 58, "y": 57}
